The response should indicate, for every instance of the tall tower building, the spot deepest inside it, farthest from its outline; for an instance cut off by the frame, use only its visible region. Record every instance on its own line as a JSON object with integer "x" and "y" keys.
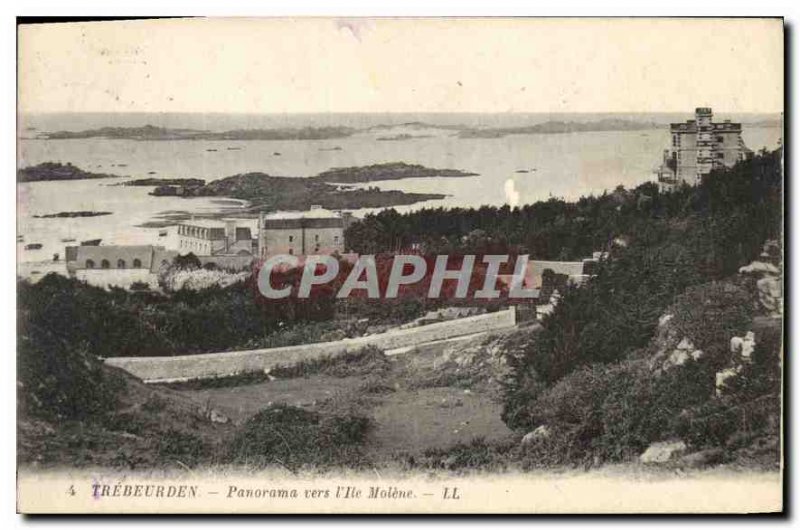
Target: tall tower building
{"x": 698, "y": 147}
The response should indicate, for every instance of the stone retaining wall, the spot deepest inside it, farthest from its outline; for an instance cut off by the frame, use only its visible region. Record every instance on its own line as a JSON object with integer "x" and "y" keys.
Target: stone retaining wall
{"x": 209, "y": 365}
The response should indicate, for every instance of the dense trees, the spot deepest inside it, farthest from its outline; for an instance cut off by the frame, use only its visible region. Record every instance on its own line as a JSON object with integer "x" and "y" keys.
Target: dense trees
{"x": 674, "y": 241}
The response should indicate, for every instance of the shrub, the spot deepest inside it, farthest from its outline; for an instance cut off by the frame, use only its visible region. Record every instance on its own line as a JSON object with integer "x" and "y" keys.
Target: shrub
{"x": 185, "y": 447}
{"x": 293, "y": 437}
{"x": 187, "y": 262}
{"x": 476, "y": 454}
{"x": 57, "y": 380}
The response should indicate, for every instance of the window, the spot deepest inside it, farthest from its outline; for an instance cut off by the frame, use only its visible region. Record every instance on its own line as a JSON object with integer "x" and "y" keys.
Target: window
{"x": 720, "y": 155}
{"x": 316, "y": 237}
{"x": 120, "y": 263}
{"x": 336, "y": 239}
{"x": 105, "y": 264}
{"x": 137, "y": 263}
{"x": 89, "y": 264}
{"x": 291, "y": 252}
{"x": 291, "y": 238}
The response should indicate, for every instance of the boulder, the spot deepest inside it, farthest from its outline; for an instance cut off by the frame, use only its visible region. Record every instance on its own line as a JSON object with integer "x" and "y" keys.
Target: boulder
{"x": 665, "y": 319}
{"x": 542, "y": 432}
{"x": 759, "y": 267}
{"x": 684, "y": 351}
{"x": 723, "y": 377}
{"x": 769, "y": 294}
{"x": 743, "y": 347}
{"x": 217, "y": 417}
{"x": 662, "y": 452}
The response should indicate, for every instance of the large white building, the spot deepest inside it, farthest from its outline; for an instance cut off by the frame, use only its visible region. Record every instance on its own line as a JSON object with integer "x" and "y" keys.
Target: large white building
{"x": 699, "y": 146}
{"x": 213, "y": 238}
{"x": 317, "y": 231}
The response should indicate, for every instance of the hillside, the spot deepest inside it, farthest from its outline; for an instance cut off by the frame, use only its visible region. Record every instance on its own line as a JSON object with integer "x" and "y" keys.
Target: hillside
{"x": 287, "y": 193}
{"x": 387, "y": 171}
{"x": 560, "y": 127}
{"x": 152, "y": 133}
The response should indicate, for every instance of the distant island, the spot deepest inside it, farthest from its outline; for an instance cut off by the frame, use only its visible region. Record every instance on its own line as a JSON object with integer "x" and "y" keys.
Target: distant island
{"x": 401, "y": 137}
{"x": 387, "y": 171}
{"x": 560, "y": 127}
{"x": 57, "y": 171}
{"x": 190, "y": 182}
{"x": 290, "y": 193}
{"x": 328, "y": 189}
{"x": 152, "y": 133}
{"x": 72, "y": 214}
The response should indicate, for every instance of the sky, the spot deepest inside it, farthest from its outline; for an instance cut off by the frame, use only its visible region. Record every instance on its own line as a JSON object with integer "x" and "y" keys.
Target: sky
{"x": 402, "y": 65}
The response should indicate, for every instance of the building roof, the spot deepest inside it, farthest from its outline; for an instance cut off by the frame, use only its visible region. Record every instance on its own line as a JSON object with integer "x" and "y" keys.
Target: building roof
{"x": 314, "y": 213}
{"x": 204, "y": 223}
{"x": 113, "y": 253}
{"x": 691, "y": 126}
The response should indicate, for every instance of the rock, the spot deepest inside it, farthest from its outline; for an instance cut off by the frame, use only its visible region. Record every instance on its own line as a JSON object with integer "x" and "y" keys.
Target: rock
{"x": 662, "y": 452}
{"x": 542, "y": 432}
{"x": 769, "y": 294}
{"x": 676, "y": 358}
{"x": 723, "y": 377}
{"x": 217, "y": 417}
{"x": 759, "y": 267}
{"x": 684, "y": 351}
{"x": 700, "y": 459}
{"x": 748, "y": 346}
{"x": 743, "y": 347}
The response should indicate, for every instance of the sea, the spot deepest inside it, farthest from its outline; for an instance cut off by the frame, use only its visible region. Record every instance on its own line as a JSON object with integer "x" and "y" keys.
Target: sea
{"x": 513, "y": 169}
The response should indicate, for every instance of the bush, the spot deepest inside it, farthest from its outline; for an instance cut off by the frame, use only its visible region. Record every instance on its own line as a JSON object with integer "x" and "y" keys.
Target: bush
{"x": 293, "y": 437}
{"x": 60, "y": 381}
{"x": 187, "y": 262}
{"x": 679, "y": 246}
{"x": 187, "y": 448}
{"x": 477, "y": 454}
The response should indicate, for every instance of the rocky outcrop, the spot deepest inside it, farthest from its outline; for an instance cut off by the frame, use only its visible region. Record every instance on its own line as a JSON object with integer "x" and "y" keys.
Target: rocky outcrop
{"x": 769, "y": 281}
{"x": 542, "y": 432}
{"x": 663, "y": 452}
{"x": 742, "y": 349}
{"x": 684, "y": 351}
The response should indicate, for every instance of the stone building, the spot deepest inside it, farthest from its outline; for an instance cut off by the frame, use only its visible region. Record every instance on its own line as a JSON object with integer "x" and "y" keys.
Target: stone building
{"x": 117, "y": 265}
{"x": 212, "y": 238}
{"x": 699, "y": 146}
{"x": 317, "y": 231}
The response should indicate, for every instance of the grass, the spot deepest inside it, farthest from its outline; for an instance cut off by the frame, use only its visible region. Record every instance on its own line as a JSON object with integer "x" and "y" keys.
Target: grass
{"x": 293, "y": 437}
{"x": 366, "y": 361}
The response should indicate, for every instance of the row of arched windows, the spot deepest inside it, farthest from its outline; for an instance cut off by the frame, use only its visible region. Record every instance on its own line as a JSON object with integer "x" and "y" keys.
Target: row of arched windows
{"x": 105, "y": 264}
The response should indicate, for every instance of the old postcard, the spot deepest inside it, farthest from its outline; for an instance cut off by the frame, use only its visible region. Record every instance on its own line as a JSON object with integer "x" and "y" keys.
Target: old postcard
{"x": 396, "y": 265}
